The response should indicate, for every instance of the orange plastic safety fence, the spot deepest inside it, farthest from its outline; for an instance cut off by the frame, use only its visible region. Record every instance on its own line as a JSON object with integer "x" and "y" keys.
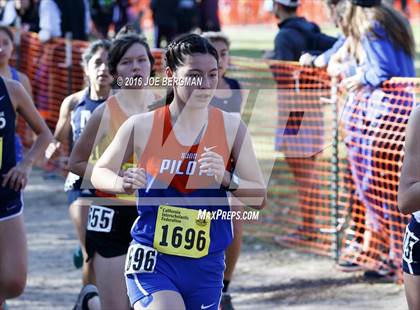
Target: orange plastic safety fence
{"x": 374, "y": 124}
{"x": 365, "y": 224}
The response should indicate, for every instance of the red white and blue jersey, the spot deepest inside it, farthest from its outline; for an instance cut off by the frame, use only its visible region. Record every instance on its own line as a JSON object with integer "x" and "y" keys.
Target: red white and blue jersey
{"x": 177, "y": 189}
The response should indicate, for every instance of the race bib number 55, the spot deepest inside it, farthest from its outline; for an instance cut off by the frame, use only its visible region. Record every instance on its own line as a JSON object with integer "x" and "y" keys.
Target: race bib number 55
{"x": 100, "y": 219}
{"x": 180, "y": 232}
{"x": 140, "y": 259}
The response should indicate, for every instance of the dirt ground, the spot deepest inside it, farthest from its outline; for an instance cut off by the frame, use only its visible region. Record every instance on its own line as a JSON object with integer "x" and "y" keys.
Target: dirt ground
{"x": 267, "y": 276}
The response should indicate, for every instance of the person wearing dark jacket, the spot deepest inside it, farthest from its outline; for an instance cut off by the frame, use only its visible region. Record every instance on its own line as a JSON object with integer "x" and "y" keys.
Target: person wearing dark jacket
{"x": 296, "y": 34}
{"x": 299, "y": 144}
{"x": 165, "y": 20}
{"x": 57, "y": 17}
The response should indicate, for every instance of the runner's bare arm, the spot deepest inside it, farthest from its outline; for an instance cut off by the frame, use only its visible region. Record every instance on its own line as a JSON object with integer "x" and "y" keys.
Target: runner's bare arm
{"x": 409, "y": 188}
{"x": 106, "y": 172}
{"x": 79, "y": 157}
{"x": 26, "y": 83}
{"x": 62, "y": 129}
{"x": 17, "y": 176}
{"x": 252, "y": 190}
{"x": 26, "y": 108}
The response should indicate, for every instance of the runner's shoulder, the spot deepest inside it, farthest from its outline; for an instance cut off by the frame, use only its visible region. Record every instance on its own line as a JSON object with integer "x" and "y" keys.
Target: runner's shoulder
{"x": 143, "y": 121}
{"x": 15, "y": 90}
{"x": 72, "y": 100}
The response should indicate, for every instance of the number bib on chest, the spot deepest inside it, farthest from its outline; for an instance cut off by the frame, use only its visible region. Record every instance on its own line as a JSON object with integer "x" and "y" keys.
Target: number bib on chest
{"x": 140, "y": 259}
{"x": 100, "y": 219}
{"x": 180, "y": 232}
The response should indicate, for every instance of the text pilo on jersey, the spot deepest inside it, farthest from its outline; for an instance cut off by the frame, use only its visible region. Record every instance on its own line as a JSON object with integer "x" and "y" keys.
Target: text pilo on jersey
{"x": 175, "y": 166}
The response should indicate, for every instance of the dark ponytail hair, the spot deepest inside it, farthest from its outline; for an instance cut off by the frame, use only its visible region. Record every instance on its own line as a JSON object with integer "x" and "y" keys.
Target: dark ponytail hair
{"x": 183, "y": 46}
{"x": 119, "y": 47}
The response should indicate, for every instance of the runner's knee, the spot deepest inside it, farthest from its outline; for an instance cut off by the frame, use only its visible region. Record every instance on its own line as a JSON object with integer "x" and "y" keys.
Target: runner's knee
{"x": 12, "y": 284}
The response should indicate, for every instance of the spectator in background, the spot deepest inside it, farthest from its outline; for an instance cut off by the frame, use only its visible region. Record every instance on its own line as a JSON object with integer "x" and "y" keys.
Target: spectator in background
{"x": 298, "y": 143}
{"x": 387, "y": 43}
{"x": 209, "y": 15}
{"x": 111, "y": 12}
{"x": 188, "y": 16}
{"x": 135, "y": 15}
{"x": 120, "y": 16}
{"x": 102, "y": 12}
{"x": 28, "y": 11}
{"x": 296, "y": 34}
{"x": 57, "y": 17}
{"x": 165, "y": 20}
{"x": 381, "y": 45}
{"x": 7, "y": 13}
{"x": 336, "y": 9}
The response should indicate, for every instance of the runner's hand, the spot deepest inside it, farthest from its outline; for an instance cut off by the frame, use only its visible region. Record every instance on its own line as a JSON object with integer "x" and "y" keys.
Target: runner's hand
{"x": 212, "y": 164}
{"x": 17, "y": 177}
{"x": 52, "y": 147}
{"x": 133, "y": 179}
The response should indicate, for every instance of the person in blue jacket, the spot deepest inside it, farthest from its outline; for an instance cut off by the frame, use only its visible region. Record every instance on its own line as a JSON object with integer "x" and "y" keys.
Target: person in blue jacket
{"x": 383, "y": 47}
{"x": 336, "y": 10}
{"x": 296, "y": 35}
{"x": 386, "y": 40}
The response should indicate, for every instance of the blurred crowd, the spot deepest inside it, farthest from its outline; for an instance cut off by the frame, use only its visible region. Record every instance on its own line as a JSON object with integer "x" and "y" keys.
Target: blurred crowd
{"x": 102, "y": 18}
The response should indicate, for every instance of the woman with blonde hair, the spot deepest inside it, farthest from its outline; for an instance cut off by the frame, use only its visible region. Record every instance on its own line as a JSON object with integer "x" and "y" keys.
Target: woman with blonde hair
{"x": 386, "y": 40}
{"x": 381, "y": 46}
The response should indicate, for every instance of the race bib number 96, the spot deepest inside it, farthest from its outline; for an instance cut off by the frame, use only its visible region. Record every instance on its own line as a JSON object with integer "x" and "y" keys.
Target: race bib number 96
{"x": 100, "y": 219}
{"x": 140, "y": 259}
{"x": 180, "y": 232}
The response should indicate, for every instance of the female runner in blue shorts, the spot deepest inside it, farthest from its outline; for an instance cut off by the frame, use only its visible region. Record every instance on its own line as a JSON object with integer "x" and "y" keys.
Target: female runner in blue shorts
{"x": 13, "y": 179}
{"x": 191, "y": 155}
